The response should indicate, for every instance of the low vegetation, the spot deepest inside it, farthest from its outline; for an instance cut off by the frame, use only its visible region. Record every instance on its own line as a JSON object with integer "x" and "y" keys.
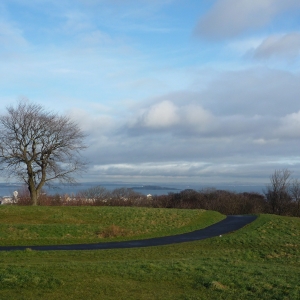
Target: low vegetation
{"x": 225, "y": 202}
{"x": 259, "y": 261}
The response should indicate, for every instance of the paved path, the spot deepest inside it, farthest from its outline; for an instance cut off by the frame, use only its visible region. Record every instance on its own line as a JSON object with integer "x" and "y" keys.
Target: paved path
{"x": 231, "y": 223}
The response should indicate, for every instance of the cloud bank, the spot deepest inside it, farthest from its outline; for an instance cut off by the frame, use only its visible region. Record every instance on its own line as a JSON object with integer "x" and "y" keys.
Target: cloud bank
{"x": 231, "y": 18}
{"x": 167, "y": 91}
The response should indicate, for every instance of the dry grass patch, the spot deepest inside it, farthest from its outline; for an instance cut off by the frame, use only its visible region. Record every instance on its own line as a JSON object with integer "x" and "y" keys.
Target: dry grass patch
{"x": 218, "y": 285}
{"x": 113, "y": 231}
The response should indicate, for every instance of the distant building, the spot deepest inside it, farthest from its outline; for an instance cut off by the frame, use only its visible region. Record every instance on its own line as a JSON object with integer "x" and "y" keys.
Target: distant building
{"x": 9, "y": 199}
{"x": 6, "y": 200}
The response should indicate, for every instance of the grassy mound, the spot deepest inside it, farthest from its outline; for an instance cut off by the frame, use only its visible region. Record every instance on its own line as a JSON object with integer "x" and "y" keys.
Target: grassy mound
{"x": 85, "y": 224}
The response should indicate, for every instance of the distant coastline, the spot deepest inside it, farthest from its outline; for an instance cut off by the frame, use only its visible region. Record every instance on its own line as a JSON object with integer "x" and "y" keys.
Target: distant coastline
{"x": 154, "y": 187}
{"x": 7, "y": 189}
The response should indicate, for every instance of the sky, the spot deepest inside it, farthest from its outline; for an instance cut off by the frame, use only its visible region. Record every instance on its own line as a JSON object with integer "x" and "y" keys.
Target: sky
{"x": 168, "y": 91}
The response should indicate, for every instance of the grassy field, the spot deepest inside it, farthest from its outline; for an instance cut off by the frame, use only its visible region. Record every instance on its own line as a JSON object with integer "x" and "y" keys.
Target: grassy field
{"x": 260, "y": 261}
{"x": 86, "y": 224}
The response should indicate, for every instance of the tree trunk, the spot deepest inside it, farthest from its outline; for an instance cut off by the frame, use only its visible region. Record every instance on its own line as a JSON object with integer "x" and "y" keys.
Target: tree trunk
{"x": 33, "y": 190}
{"x": 34, "y": 194}
{"x": 34, "y": 198}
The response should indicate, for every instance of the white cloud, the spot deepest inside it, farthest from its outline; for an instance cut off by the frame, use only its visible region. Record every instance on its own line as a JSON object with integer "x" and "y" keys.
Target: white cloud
{"x": 230, "y": 18}
{"x": 290, "y": 126}
{"x": 160, "y": 115}
{"x": 96, "y": 123}
{"x": 183, "y": 118}
{"x": 197, "y": 118}
{"x": 193, "y": 172}
{"x": 263, "y": 141}
{"x": 256, "y": 91}
{"x": 279, "y": 46}
{"x": 168, "y": 169}
{"x": 246, "y": 104}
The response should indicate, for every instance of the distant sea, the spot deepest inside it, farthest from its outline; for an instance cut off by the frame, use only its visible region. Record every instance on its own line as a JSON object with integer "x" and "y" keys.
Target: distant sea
{"x": 6, "y": 189}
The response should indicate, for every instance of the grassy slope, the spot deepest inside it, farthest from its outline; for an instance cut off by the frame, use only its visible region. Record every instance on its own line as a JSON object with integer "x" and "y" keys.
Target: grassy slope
{"x": 69, "y": 225}
{"x": 260, "y": 261}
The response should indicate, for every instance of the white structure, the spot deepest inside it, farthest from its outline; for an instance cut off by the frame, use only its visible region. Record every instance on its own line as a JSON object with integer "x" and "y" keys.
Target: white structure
{"x": 9, "y": 199}
{"x": 15, "y": 195}
{"x": 6, "y": 200}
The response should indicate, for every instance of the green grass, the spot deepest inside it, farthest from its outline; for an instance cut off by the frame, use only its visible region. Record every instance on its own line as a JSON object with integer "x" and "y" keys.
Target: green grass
{"x": 260, "y": 261}
{"x": 69, "y": 225}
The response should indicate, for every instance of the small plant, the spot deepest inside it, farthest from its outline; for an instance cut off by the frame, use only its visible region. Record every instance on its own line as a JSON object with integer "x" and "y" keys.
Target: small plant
{"x": 112, "y": 231}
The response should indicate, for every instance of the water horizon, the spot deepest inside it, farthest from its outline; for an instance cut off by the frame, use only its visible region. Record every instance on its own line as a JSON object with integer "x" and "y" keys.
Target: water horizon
{"x": 7, "y": 189}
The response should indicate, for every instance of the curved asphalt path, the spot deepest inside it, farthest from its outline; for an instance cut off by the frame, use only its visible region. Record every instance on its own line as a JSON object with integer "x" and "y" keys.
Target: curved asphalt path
{"x": 231, "y": 223}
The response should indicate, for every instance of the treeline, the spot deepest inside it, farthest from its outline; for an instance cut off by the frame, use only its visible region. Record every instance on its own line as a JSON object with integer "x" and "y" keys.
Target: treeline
{"x": 225, "y": 202}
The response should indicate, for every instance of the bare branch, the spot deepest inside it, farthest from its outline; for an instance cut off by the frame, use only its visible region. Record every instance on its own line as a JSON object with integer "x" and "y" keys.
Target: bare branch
{"x": 38, "y": 146}
{"x": 278, "y": 191}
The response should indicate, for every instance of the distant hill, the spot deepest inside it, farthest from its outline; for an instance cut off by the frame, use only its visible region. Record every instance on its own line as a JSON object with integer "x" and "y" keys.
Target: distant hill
{"x": 153, "y": 187}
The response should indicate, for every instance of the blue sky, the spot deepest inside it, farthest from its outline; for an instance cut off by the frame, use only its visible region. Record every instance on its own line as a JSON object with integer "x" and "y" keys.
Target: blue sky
{"x": 168, "y": 91}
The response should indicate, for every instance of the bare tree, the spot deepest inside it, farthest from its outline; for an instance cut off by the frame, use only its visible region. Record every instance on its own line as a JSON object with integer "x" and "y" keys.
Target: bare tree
{"x": 37, "y": 146}
{"x": 96, "y": 194}
{"x": 295, "y": 194}
{"x": 278, "y": 191}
